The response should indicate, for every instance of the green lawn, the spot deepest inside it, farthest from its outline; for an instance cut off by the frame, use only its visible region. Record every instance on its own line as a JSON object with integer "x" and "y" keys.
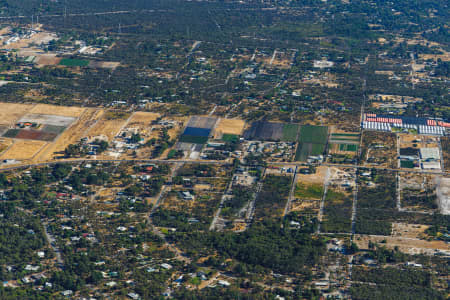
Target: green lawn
{"x": 71, "y": 62}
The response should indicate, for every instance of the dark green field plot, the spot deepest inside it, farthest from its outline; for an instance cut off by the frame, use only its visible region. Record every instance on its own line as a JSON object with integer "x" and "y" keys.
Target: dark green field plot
{"x": 11, "y": 133}
{"x": 406, "y": 164}
{"x": 290, "y": 132}
{"x": 226, "y": 137}
{"x": 348, "y": 147}
{"x": 71, "y": 62}
{"x": 305, "y": 150}
{"x": 193, "y": 139}
{"x": 313, "y": 134}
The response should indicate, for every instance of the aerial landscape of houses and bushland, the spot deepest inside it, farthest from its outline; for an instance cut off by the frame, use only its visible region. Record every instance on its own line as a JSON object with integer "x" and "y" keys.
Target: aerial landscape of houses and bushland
{"x": 224, "y": 149}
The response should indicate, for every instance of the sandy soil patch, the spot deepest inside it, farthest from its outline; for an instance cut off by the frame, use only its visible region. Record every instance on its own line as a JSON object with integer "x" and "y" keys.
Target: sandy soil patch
{"x": 318, "y": 177}
{"x": 11, "y": 112}
{"x": 4, "y": 144}
{"x": 47, "y": 60}
{"x": 23, "y": 149}
{"x": 142, "y": 118}
{"x": 66, "y": 111}
{"x": 229, "y": 126}
{"x": 405, "y": 244}
{"x": 108, "y": 127}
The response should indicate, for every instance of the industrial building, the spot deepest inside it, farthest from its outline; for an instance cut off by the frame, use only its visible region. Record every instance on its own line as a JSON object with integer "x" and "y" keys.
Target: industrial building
{"x": 422, "y": 125}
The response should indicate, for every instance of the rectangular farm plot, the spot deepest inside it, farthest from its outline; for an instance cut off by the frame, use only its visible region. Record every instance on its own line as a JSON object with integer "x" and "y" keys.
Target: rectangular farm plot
{"x": 313, "y": 140}
{"x": 70, "y": 62}
{"x": 198, "y": 130}
{"x": 39, "y": 127}
{"x": 202, "y": 122}
{"x": 230, "y": 127}
{"x": 23, "y": 149}
{"x": 272, "y": 131}
{"x": 56, "y": 110}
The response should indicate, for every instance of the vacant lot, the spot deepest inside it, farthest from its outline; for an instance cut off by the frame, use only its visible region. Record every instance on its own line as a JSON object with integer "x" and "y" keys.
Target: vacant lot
{"x": 11, "y": 112}
{"x": 47, "y": 60}
{"x": 4, "y": 144}
{"x": 141, "y": 118}
{"x": 104, "y": 64}
{"x": 379, "y": 148}
{"x": 229, "y": 126}
{"x": 66, "y": 111}
{"x": 109, "y": 125}
{"x": 23, "y": 149}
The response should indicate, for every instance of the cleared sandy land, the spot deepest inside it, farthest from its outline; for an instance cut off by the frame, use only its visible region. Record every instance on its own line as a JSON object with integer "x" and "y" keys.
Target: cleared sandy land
{"x": 4, "y": 144}
{"x": 23, "y": 149}
{"x": 11, "y": 112}
{"x": 71, "y": 135}
{"x": 47, "y": 60}
{"x": 230, "y": 126}
{"x": 405, "y": 244}
{"x": 107, "y": 127}
{"x": 142, "y": 118}
{"x": 66, "y": 111}
{"x": 318, "y": 177}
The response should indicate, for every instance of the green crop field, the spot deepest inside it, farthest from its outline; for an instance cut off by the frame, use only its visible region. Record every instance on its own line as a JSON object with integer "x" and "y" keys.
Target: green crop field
{"x": 305, "y": 150}
{"x": 313, "y": 134}
{"x": 313, "y": 191}
{"x": 348, "y": 147}
{"x": 290, "y": 132}
{"x": 226, "y": 137}
{"x": 345, "y": 134}
{"x": 70, "y": 62}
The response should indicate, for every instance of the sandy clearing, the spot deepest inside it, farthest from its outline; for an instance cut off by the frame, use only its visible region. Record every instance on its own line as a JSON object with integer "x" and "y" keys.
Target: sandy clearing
{"x": 318, "y": 177}
{"x": 107, "y": 128}
{"x": 47, "y": 60}
{"x": 4, "y": 144}
{"x": 142, "y": 118}
{"x": 66, "y": 111}
{"x": 23, "y": 149}
{"x": 11, "y": 112}
{"x": 404, "y": 244}
{"x": 229, "y": 126}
